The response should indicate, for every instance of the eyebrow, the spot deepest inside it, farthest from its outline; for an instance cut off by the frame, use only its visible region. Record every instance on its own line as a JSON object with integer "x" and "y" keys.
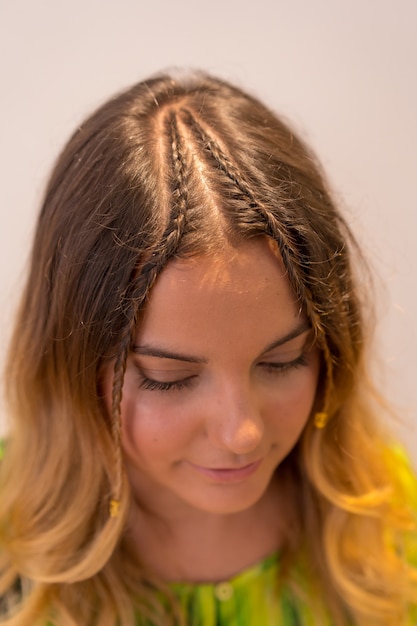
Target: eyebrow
{"x": 299, "y": 330}
{"x": 162, "y": 353}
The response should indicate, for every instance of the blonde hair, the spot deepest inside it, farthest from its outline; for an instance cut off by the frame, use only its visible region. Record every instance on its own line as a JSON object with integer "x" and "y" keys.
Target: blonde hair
{"x": 167, "y": 169}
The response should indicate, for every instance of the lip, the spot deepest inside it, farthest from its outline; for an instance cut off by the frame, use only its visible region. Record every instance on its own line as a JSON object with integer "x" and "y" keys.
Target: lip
{"x": 226, "y": 474}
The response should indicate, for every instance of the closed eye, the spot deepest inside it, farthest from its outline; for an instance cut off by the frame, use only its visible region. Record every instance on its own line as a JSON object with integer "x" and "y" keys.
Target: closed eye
{"x": 286, "y": 366}
{"x": 158, "y": 385}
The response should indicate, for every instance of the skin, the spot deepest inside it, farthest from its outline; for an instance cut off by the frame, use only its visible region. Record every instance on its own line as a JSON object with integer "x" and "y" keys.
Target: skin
{"x": 218, "y": 388}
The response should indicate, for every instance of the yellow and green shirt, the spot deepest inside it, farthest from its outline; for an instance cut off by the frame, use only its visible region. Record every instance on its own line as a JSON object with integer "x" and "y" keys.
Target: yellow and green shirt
{"x": 249, "y": 598}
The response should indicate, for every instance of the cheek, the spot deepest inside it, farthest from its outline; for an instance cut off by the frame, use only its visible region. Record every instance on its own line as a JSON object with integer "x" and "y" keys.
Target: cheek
{"x": 295, "y": 402}
{"x": 152, "y": 430}
{"x": 145, "y": 434}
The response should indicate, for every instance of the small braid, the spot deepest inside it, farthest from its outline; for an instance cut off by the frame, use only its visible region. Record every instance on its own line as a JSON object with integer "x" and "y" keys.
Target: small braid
{"x": 329, "y": 378}
{"x": 273, "y": 227}
{"x": 139, "y": 289}
{"x": 221, "y": 158}
{"x": 119, "y": 373}
{"x": 181, "y": 170}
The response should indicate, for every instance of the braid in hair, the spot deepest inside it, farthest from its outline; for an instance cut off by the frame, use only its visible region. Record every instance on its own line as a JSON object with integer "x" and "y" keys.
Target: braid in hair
{"x": 255, "y": 208}
{"x": 140, "y": 287}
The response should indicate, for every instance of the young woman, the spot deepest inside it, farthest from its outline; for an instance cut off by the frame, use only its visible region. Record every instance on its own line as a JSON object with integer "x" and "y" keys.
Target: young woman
{"x": 194, "y": 433}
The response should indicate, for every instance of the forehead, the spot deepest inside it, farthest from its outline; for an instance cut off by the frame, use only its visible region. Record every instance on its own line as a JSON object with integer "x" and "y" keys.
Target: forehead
{"x": 230, "y": 291}
{"x": 246, "y": 268}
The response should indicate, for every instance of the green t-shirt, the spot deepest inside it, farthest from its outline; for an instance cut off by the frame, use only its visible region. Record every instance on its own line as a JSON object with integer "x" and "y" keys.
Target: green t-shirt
{"x": 252, "y": 597}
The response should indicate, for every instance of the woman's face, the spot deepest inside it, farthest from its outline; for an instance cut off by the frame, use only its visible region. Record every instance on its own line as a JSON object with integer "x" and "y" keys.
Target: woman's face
{"x": 220, "y": 382}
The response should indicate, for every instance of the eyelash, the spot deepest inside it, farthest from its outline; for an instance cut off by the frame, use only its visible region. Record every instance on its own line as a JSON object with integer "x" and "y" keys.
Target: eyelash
{"x": 177, "y": 385}
{"x": 282, "y": 368}
{"x": 156, "y": 385}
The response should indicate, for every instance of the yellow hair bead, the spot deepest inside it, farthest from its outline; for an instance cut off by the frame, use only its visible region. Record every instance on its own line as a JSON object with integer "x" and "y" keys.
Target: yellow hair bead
{"x": 114, "y": 508}
{"x": 320, "y": 419}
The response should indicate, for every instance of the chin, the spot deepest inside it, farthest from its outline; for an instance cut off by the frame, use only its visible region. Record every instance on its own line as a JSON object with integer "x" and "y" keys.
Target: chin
{"x": 227, "y": 502}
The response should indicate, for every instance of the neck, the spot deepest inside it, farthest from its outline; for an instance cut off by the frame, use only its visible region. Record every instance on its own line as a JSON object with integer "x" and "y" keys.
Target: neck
{"x": 195, "y": 546}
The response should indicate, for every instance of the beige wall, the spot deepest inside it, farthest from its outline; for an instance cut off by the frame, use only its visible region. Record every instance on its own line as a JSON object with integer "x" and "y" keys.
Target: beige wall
{"x": 343, "y": 71}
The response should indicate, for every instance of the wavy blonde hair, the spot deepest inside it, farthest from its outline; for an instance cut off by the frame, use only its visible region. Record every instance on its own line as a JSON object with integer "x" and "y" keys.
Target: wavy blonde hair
{"x": 171, "y": 168}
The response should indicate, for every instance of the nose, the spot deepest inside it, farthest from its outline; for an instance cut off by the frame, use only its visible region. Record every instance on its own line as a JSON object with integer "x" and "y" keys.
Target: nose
{"x": 235, "y": 424}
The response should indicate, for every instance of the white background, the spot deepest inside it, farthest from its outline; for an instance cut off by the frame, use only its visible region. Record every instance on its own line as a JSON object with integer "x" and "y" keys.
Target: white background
{"x": 343, "y": 71}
